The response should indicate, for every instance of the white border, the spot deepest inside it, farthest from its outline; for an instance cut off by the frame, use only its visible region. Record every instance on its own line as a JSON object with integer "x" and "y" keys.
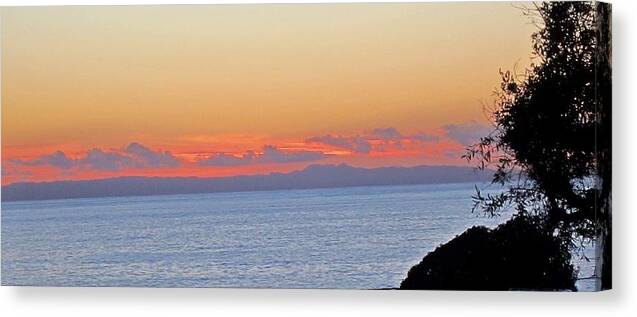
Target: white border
{"x": 51, "y": 302}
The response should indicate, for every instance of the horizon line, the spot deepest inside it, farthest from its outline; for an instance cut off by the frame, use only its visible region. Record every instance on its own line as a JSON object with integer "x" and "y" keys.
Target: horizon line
{"x": 228, "y": 176}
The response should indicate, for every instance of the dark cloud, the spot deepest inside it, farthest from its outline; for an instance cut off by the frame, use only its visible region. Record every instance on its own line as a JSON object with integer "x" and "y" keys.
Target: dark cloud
{"x": 273, "y": 155}
{"x": 145, "y": 157}
{"x": 106, "y": 161}
{"x": 270, "y": 154}
{"x": 134, "y": 155}
{"x": 223, "y": 159}
{"x": 388, "y": 137}
{"x": 57, "y": 159}
{"x": 356, "y": 144}
{"x": 467, "y": 133}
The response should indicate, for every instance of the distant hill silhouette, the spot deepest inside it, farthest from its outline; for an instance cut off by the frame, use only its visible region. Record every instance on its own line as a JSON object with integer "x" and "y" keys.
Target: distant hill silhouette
{"x": 314, "y": 176}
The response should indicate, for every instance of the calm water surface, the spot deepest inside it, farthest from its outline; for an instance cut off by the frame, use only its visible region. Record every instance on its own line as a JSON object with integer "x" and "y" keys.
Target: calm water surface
{"x": 358, "y": 237}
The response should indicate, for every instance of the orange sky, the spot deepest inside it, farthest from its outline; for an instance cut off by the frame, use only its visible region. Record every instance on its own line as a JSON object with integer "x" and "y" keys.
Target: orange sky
{"x": 236, "y": 89}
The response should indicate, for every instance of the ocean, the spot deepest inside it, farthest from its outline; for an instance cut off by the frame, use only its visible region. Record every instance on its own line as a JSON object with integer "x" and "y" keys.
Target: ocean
{"x": 352, "y": 238}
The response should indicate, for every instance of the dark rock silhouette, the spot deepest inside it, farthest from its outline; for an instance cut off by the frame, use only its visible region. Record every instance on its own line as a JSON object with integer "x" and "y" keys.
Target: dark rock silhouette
{"x": 517, "y": 255}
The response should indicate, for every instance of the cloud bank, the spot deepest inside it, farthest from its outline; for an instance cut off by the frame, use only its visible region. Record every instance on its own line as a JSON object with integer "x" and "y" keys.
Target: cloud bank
{"x": 467, "y": 133}
{"x": 378, "y": 139}
{"x": 384, "y": 142}
{"x": 355, "y": 144}
{"x": 269, "y": 154}
{"x": 134, "y": 156}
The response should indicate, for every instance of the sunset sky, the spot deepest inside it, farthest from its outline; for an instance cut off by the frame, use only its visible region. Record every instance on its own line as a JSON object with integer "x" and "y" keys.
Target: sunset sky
{"x": 217, "y": 90}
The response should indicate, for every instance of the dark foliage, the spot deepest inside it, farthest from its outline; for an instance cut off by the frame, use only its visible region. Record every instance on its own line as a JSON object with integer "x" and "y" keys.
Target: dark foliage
{"x": 552, "y": 139}
{"x": 517, "y": 255}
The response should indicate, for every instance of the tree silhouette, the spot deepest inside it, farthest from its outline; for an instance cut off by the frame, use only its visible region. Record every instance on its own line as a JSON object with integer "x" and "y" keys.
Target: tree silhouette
{"x": 551, "y": 145}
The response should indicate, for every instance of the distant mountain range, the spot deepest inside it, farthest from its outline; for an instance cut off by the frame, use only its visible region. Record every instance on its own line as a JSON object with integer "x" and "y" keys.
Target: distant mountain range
{"x": 314, "y": 176}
